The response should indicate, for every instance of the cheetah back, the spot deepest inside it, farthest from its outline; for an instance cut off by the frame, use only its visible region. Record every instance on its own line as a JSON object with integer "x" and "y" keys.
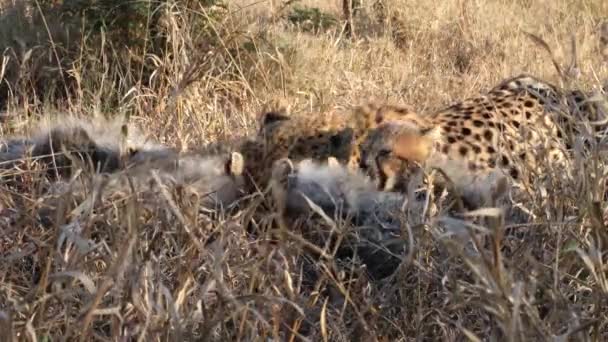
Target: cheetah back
{"x": 504, "y": 129}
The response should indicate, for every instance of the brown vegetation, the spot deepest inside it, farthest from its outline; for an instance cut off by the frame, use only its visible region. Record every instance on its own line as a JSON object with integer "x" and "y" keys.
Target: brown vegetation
{"x": 197, "y": 72}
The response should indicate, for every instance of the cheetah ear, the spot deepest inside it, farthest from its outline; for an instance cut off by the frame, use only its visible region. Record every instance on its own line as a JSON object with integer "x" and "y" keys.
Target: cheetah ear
{"x": 281, "y": 169}
{"x": 432, "y": 132}
{"x": 380, "y": 113}
{"x": 369, "y": 114}
{"x": 333, "y": 162}
{"x": 279, "y": 183}
{"x": 278, "y": 106}
{"x": 271, "y": 117}
{"x": 235, "y": 164}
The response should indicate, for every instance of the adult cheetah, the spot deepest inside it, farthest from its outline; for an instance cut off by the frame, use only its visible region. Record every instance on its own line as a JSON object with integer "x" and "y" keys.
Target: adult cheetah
{"x": 515, "y": 128}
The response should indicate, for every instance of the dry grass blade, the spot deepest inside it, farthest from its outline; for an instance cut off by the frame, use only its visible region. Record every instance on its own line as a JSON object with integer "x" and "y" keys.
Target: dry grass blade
{"x": 323, "y": 320}
{"x": 114, "y": 273}
{"x": 6, "y": 327}
{"x": 485, "y": 212}
{"x": 176, "y": 211}
{"x": 541, "y": 42}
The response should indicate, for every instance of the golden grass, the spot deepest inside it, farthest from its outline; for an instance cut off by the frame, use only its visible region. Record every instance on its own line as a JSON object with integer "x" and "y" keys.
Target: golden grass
{"x": 126, "y": 271}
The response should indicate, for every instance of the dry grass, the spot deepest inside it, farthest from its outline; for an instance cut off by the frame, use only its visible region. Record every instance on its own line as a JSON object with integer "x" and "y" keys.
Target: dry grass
{"x": 127, "y": 271}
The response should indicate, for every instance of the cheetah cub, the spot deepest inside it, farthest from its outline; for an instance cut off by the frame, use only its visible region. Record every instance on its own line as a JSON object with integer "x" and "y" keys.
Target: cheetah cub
{"x": 331, "y": 186}
{"x": 189, "y": 184}
{"x": 369, "y": 222}
{"x": 62, "y": 142}
{"x": 215, "y": 180}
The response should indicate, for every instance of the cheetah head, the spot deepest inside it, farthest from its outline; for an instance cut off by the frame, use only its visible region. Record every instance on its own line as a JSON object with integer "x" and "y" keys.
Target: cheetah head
{"x": 395, "y": 149}
{"x": 306, "y": 136}
{"x": 368, "y": 116}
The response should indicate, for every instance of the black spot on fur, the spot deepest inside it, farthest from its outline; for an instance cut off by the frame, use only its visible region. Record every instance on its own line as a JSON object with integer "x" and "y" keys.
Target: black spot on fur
{"x": 504, "y": 160}
{"x": 529, "y": 104}
{"x": 341, "y": 143}
{"x": 463, "y": 150}
{"x": 488, "y": 135}
{"x": 487, "y": 115}
{"x": 476, "y": 148}
{"x": 401, "y": 110}
{"x": 477, "y": 123}
{"x": 466, "y": 131}
{"x": 514, "y": 173}
{"x": 445, "y": 148}
{"x": 477, "y": 137}
{"x": 515, "y": 124}
{"x": 491, "y": 149}
{"x": 451, "y": 140}
{"x": 342, "y": 138}
{"x": 528, "y": 115}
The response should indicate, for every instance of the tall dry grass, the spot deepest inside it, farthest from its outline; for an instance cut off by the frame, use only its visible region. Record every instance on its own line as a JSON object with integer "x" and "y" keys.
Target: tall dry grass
{"x": 126, "y": 271}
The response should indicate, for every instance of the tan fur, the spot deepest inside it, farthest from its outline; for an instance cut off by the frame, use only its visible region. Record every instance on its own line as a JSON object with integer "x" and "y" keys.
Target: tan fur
{"x": 413, "y": 147}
